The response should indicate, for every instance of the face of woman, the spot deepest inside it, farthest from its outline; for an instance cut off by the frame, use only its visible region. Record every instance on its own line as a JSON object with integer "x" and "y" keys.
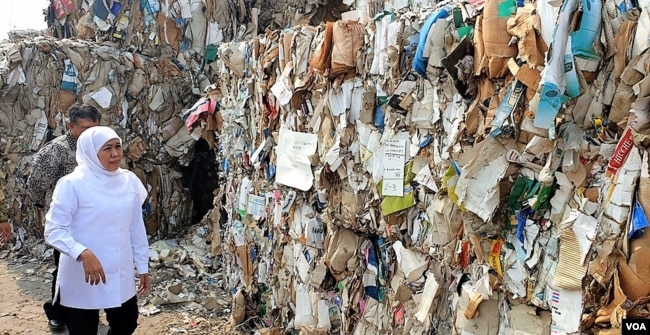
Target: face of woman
{"x": 110, "y": 155}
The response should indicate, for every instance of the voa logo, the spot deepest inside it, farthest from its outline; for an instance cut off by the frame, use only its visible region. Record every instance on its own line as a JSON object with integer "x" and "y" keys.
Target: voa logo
{"x": 635, "y": 326}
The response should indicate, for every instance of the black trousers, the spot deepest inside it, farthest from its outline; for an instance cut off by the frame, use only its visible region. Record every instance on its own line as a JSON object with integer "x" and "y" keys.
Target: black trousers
{"x": 53, "y": 308}
{"x": 122, "y": 320}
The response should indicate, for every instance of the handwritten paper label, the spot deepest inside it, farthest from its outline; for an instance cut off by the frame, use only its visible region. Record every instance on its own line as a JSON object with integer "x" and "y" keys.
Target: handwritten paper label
{"x": 394, "y": 159}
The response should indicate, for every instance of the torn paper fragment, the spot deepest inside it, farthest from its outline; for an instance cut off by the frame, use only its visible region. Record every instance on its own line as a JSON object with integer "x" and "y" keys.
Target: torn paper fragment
{"x": 103, "y": 97}
{"x": 430, "y": 290}
{"x": 561, "y": 197}
{"x": 569, "y": 272}
{"x": 584, "y": 227}
{"x": 256, "y": 206}
{"x": 412, "y": 263}
{"x": 40, "y": 128}
{"x": 485, "y": 320}
{"x": 282, "y": 91}
{"x": 244, "y": 189}
{"x": 303, "y": 310}
{"x": 333, "y": 155}
{"x": 523, "y": 319}
{"x": 324, "y": 314}
{"x": 16, "y": 76}
{"x": 478, "y": 185}
{"x": 315, "y": 233}
{"x": 302, "y": 265}
{"x": 238, "y": 231}
{"x": 514, "y": 273}
{"x": 70, "y": 80}
{"x": 566, "y": 306}
{"x": 293, "y": 151}
{"x": 425, "y": 178}
{"x": 445, "y": 220}
{"x": 340, "y": 98}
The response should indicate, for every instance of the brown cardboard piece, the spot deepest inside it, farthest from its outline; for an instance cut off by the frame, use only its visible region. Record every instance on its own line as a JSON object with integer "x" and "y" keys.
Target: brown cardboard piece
{"x": 611, "y": 313}
{"x": 581, "y": 109}
{"x": 496, "y": 38}
{"x": 569, "y": 272}
{"x": 447, "y": 220}
{"x": 322, "y": 58}
{"x": 622, "y": 103}
{"x": 640, "y": 247}
{"x": 526, "y": 25}
{"x": 527, "y": 75}
{"x": 472, "y": 308}
{"x": 340, "y": 247}
{"x": 485, "y": 320}
{"x": 347, "y": 38}
{"x": 634, "y": 286}
{"x": 66, "y": 99}
{"x": 170, "y": 32}
{"x": 238, "y": 307}
{"x": 623, "y": 42}
{"x": 368, "y": 107}
{"x": 244, "y": 259}
{"x": 475, "y": 121}
{"x": 611, "y": 331}
{"x": 473, "y": 117}
{"x": 642, "y": 88}
{"x": 631, "y": 73}
{"x": 524, "y": 320}
{"x": 492, "y": 42}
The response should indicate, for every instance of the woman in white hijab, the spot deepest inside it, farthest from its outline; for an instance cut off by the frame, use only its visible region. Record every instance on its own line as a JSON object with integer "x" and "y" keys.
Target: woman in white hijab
{"x": 95, "y": 221}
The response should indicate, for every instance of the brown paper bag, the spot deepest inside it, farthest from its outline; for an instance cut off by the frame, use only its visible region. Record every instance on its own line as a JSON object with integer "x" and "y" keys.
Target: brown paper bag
{"x": 347, "y": 38}
{"x": 322, "y": 58}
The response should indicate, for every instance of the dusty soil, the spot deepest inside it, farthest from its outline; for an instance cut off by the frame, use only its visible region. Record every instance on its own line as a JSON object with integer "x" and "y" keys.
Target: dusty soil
{"x": 25, "y": 285}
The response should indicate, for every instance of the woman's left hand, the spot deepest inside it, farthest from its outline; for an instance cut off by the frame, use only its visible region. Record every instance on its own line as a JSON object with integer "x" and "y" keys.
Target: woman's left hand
{"x": 144, "y": 285}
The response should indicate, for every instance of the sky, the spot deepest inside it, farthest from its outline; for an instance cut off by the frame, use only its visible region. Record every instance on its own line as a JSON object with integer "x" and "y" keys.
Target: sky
{"x": 21, "y": 14}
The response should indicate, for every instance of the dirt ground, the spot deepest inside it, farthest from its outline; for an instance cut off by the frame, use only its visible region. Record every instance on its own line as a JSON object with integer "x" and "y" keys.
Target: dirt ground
{"x": 24, "y": 286}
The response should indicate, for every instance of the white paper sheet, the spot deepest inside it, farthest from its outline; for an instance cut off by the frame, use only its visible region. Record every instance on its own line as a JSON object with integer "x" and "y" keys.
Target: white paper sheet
{"x": 40, "y": 128}
{"x": 244, "y": 189}
{"x": 425, "y": 178}
{"x": 256, "y": 206}
{"x": 430, "y": 290}
{"x": 281, "y": 91}
{"x": 303, "y": 307}
{"x": 478, "y": 185}
{"x": 315, "y": 234}
{"x": 294, "y": 167}
{"x": 566, "y": 307}
{"x": 584, "y": 227}
{"x": 412, "y": 263}
{"x": 103, "y": 97}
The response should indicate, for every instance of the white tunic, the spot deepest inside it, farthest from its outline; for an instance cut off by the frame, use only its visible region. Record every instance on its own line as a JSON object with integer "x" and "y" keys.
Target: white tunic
{"x": 83, "y": 217}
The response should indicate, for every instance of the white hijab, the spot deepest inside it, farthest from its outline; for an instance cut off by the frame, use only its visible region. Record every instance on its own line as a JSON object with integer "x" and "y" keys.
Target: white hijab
{"x": 115, "y": 183}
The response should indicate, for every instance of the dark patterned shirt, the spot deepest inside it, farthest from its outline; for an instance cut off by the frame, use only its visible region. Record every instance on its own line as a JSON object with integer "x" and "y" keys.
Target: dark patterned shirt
{"x": 4, "y": 217}
{"x": 55, "y": 160}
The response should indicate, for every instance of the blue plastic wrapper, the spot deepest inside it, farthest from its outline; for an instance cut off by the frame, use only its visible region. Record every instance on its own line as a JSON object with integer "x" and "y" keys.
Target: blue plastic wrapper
{"x": 639, "y": 221}
{"x": 420, "y": 61}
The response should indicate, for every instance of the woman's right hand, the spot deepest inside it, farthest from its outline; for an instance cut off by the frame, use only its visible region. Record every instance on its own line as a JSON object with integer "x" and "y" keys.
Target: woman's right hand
{"x": 93, "y": 270}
